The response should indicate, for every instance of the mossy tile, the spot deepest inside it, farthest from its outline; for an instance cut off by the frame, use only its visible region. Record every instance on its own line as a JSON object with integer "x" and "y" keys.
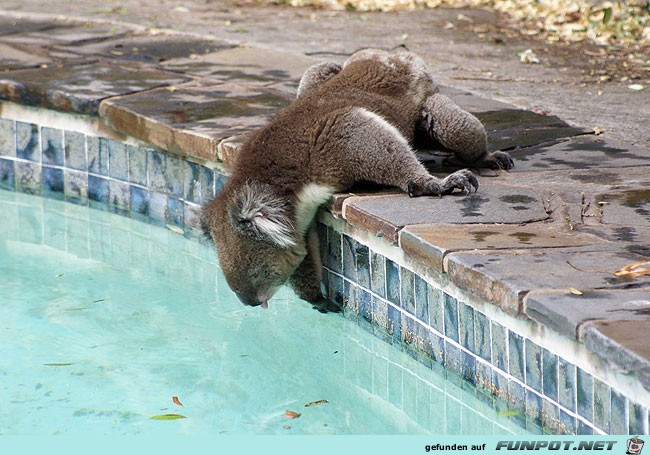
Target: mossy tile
{"x": 7, "y": 137}
{"x": 585, "y": 394}
{"x": 482, "y": 343}
{"x": 567, "y": 384}
{"x": 407, "y": 291}
{"x": 466, "y": 326}
{"x": 52, "y": 146}
{"x": 7, "y": 174}
{"x": 451, "y": 317}
{"x": 27, "y": 177}
{"x": 378, "y": 274}
{"x": 549, "y": 374}
{"x": 533, "y": 365}
{"x": 28, "y": 142}
{"x": 52, "y": 182}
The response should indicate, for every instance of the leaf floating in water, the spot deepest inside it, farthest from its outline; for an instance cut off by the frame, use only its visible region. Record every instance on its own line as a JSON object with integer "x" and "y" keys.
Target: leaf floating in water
{"x": 316, "y": 403}
{"x": 575, "y": 291}
{"x": 58, "y": 364}
{"x": 101, "y": 300}
{"x": 635, "y": 269}
{"x": 175, "y": 229}
{"x": 177, "y": 401}
{"x": 79, "y": 308}
{"x": 291, "y": 414}
{"x": 167, "y": 417}
{"x": 60, "y": 275}
{"x": 286, "y": 427}
{"x": 508, "y": 413}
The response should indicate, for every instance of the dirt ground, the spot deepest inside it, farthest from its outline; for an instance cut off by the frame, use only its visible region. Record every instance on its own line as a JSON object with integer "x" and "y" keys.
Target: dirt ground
{"x": 476, "y": 50}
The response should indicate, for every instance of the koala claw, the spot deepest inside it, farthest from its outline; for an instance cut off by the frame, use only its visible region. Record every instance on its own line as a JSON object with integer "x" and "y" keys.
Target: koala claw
{"x": 464, "y": 180}
{"x": 499, "y": 160}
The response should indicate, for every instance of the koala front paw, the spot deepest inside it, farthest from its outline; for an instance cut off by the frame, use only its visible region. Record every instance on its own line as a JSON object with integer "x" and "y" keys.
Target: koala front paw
{"x": 325, "y": 306}
{"x": 463, "y": 180}
{"x": 498, "y": 160}
{"x": 424, "y": 188}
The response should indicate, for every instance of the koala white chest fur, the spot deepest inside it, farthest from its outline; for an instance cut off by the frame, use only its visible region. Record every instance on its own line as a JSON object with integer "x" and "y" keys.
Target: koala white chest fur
{"x": 349, "y": 123}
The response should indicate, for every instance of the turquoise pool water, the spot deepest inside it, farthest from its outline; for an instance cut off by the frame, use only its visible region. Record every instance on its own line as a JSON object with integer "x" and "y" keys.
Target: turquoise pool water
{"x": 104, "y": 320}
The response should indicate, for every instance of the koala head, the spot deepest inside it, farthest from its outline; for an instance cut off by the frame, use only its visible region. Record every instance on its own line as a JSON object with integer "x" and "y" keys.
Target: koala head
{"x": 256, "y": 240}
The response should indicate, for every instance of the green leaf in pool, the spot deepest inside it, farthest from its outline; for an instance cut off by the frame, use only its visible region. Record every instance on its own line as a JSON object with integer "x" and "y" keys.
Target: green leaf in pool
{"x": 508, "y": 413}
{"x": 58, "y": 364}
{"x": 168, "y": 417}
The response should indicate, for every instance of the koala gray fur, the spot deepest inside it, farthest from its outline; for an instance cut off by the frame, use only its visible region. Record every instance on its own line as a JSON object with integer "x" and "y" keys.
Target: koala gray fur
{"x": 349, "y": 123}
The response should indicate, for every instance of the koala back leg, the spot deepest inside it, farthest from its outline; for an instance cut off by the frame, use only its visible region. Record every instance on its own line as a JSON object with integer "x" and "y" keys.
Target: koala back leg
{"x": 459, "y": 131}
{"x": 379, "y": 153}
{"x": 317, "y": 74}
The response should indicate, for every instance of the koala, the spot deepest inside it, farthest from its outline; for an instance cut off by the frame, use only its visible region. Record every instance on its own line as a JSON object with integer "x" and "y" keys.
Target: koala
{"x": 349, "y": 123}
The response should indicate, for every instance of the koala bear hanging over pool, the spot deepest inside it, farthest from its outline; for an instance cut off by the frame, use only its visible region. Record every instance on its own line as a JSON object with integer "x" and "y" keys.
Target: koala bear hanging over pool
{"x": 349, "y": 123}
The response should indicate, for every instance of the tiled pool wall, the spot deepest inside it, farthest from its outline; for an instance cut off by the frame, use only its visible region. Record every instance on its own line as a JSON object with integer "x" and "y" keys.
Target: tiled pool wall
{"x": 503, "y": 358}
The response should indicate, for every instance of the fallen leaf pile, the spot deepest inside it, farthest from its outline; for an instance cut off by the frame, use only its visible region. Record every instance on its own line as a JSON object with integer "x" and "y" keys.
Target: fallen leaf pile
{"x": 607, "y": 22}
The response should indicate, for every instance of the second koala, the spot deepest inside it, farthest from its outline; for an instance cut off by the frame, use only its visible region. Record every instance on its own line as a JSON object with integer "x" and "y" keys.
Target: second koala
{"x": 350, "y": 123}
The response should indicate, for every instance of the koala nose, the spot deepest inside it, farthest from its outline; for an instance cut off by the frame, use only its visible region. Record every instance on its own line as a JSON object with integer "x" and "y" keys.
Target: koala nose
{"x": 251, "y": 301}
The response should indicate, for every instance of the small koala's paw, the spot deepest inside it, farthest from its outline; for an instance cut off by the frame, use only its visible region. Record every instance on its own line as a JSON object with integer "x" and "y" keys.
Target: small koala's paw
{"x": 427, "y": 188}
{"x": 498, "y": 160}
{"x": 463, "y": 180}
{"x": 325, "y": 306}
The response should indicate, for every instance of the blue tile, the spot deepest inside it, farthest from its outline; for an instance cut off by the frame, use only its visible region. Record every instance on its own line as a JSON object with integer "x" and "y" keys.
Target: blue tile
{"x": 500, "y": 387}
{"x": 482, "y": 343}
{"x": 378, "y": 274}
{"x": 333, "y": 259}
{"x": 7, "y": 175}
{"x": 585, "y": 394}
{"x": 421, "y": 299}
{"x": 533, "y": 365}
{"x": 336, "y": 289}
{"x": 380, "y": 314}
{"x": 618, "y": 422}
{"x": 466, "y": 326}
{"x": 165, "y": 173}
{"x": 52, "y": 146}
{"x": 349, "y": 258}
{"x": 7, "y": 137}
{"x": 534, "y": 408}
{"x": 158, "y": 211}
{"x": 75, "y": 186}
{"x": 409, "y": 333}
{"x": 139, "y": 202}
{"x": 437, "y": 347}
{"x": 451, "y": 317}
{"x": 499, "y": 343}
{"x": 118, "y": 166}
{"x": 350, "y": 299}
{"x": 436, "y": 300}
{"x": 584, "y": 429}
{"x": 549, "y": 374}
{"x": 567, "y": 384}
{"x": 394, "y": 323}
{"x": 392, "y": 282}
{"x": 365, "y": 305}
{"x": 468, "y": 367}
{"x": 516, "y": 355}
{"x": 550, "y": 417}
{"x": 363, "y": 265}
{"x": 175, "y": 211}
{"x": 637, "y": 415}
{"x": 484, "y": 378}
{"x": 602, "y": 405}
{"x": 98, "y": 190}
{"x": 453, "y": 361}
{"x": 199, "y": 183}
{"x": 52, "y": 183}
{"x": 97, "y": 154}
{"x": 137, "y": 157}
{"x": 75, "y": 151}
{"x": 568, "y": 423}
{"x": 119, "y": 197}
{"x": 27, "y": 142}
{"x": 27, "y": 177}
{"x": 407, "y": 290}
{"x": 517, "y": 401}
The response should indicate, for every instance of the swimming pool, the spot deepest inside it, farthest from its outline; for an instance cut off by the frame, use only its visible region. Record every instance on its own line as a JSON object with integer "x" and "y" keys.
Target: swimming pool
{"x": 107, "y": 322}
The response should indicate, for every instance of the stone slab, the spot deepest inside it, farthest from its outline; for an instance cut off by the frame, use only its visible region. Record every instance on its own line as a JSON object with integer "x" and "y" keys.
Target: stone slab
{"x": 582, "y": 152}
{"x": 13, "y": 58}
{"x": 80, "y": 86}
{"x": 146, "y": 47}
{"x": 511, "y": 128}
{"x": 504, "y": 278}
{"x": 624, "y": 344}
{"x": 192, "y": 119}
{"x": 430, "y": 243}
{"x": 68, "y": 34}
{"x": 387, "y": 215}
{"x": 473, "y": 103}
{"x": 628, "y": 206}
{"x": 14, "y": 25}
{"x": 567, "y": 313}
{"x": 245, "y": 64}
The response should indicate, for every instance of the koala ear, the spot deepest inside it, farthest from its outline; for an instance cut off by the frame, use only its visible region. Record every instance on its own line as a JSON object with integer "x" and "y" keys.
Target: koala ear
{"x": 257, "y": 212}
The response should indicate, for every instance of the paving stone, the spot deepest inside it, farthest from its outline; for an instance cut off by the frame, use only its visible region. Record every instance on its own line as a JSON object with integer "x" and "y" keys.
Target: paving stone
{"x": 503, "y": 278}
{"x": 429, "y": 243}
{"x": 631, "y": 207}
{"x": 387, "y": 215}
{"x": 245, "y": 64}
{"x": 12, "y": 58}
{"x": 80, "y": 86}
{"x": 149, "y": 48}
{"x": 192, "y": 119}
{"x": 511, "y": 128}
{"x": 13, "y": 25}
{"x": 624, "y": 344}
{"x": 473, "y": 103}
{"x": 68, "y": 34}
{"x": 567, "y": 313}
{"x": 582, "y": 152}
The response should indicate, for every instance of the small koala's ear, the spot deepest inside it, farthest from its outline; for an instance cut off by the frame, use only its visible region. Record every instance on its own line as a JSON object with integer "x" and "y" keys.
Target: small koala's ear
{"x": 257, "y": 212}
